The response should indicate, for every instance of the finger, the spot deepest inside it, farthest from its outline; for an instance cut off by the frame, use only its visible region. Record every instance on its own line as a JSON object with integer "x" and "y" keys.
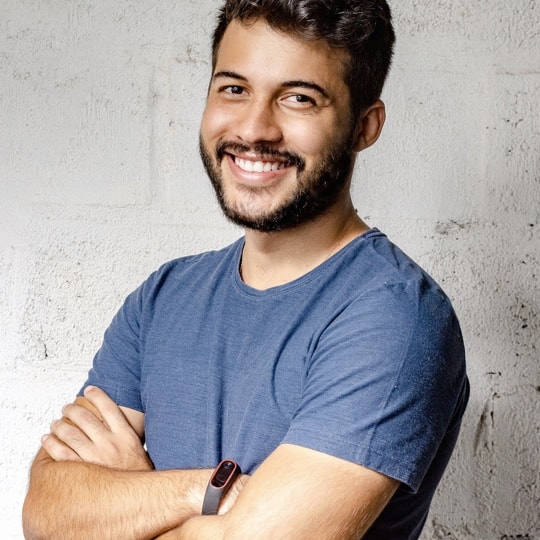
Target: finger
{"x": 70, "y": 435}
{"x": 57, "y": 450}
{"x": 85, "y": 434}
{"x": 109, "y": 410}
{"x": 85, "y": 421}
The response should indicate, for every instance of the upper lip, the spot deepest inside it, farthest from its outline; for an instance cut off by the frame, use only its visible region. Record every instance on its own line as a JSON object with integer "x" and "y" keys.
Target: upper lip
{"x": 259, "y": 165}
{"x": 259, "y": 153}
{"x": 263, "y": 158}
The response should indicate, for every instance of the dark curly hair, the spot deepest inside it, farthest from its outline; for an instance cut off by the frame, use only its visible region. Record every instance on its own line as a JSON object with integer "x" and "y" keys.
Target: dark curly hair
{"x": 362, "y": 27}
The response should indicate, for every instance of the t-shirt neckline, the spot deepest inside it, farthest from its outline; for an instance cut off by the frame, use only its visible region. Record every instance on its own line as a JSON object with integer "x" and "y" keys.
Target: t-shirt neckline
{"x": 302, "y": 280}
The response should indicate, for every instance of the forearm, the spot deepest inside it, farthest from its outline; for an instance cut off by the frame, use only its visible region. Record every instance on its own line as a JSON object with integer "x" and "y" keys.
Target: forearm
{"x": 284, "y": 499}
{"x": 198, "y": 528}
{"x": 82, "y": 500}
{"x": 211, "y": 527}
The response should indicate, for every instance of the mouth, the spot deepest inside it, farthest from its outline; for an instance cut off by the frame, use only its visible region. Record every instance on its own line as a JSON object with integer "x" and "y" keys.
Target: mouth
{"x": 259, "y": 158}
{"x": 251, "y": 165}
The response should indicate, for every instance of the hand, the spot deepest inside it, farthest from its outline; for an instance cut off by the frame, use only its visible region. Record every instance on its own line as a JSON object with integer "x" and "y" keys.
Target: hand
{"x": 226, "y": 504}
{"x": 230, "y": 497}
{"x": 96, "y": 433}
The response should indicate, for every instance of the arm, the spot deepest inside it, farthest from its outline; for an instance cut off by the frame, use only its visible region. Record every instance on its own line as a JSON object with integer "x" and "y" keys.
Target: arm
{"x": 110, "y": 493}
{"x": 98, "y": 502}
{"x": 297, "y": 493}
{"x": 300, "y": 494}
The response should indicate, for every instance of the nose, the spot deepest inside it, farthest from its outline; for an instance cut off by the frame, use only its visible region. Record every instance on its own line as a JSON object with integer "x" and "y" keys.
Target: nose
{"x": 258, "y": 123}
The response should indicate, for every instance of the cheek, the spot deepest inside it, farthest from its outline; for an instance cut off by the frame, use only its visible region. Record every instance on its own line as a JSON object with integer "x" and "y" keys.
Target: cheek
{"x": 218, "y": 120}
{"x": 308, "y": 140}
{"x": 212, "y": 123}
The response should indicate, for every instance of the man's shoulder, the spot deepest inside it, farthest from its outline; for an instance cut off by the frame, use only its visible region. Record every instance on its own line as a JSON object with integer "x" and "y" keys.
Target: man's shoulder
{"x": 378, "y": 264}
{"x": 188, "y": 272}
{"x": 199, "y": 262}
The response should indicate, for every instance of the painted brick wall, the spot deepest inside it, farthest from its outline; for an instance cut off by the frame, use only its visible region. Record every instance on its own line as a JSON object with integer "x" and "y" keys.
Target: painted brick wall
{"x": 101, "y": 182}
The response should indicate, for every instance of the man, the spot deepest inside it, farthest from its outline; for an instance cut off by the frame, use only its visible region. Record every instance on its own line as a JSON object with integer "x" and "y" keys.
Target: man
{"x": 312, "y": 351}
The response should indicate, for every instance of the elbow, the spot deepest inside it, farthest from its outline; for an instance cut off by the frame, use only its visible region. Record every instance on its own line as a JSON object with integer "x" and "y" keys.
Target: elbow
{"x": 37, "y": 522}
{"x": 32, "y": 520}
{"x": 38, "y": 519}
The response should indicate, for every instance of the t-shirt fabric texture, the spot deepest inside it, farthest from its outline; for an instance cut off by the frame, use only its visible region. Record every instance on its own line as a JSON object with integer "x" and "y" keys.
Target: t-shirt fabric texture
{"x": 361, "y": 358}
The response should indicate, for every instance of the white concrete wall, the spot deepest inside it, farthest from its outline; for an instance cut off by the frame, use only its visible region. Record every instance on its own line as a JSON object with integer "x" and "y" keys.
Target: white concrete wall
{"x": 101, "y": 182}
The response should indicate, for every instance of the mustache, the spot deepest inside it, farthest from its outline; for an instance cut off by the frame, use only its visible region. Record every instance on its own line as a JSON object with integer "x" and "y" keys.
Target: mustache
{"x": 227, "y": 147}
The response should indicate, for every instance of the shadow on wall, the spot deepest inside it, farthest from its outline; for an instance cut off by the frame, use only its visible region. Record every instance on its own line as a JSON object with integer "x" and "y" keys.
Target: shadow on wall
{"x": 490, "y": 277}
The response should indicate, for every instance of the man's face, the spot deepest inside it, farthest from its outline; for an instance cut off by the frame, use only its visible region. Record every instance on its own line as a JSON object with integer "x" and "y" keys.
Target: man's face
{"x": 276, "y": 135}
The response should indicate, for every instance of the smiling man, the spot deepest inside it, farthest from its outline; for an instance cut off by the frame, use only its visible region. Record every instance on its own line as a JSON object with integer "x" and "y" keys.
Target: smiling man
{"x": 274, "y": 147}
{"x": 312, "y": 354}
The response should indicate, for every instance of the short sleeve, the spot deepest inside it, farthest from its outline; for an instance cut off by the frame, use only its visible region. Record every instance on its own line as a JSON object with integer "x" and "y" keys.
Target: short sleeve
{"x": 116, "y": 367}
{"x": 384, "y": 382}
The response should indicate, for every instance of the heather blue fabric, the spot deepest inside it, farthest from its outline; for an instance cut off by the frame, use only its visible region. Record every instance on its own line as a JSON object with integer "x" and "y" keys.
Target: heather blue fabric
{"x": 362, "y": 358}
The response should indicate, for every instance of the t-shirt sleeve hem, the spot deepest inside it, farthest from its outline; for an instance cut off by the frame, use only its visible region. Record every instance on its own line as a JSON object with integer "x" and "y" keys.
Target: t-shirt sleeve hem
{"x": 337, "y": 446}
{"x": 122, "y": 396}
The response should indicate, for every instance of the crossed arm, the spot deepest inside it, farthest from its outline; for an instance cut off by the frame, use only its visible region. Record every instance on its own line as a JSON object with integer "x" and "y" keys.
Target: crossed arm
{"x": 93, "y": 479}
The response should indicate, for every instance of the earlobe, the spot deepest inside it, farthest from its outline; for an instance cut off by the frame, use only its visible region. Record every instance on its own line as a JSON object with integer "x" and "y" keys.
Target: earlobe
{"x": 369, "y": 126}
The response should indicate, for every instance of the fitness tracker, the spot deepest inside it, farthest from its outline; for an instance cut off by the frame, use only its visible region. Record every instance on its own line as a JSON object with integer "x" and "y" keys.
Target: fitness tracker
{"x": 220, "y": 482}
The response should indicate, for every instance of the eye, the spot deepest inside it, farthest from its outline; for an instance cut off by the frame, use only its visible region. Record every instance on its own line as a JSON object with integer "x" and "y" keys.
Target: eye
{"x": 300, "y": 98}
{"x": 233, "y": 89}
{"x": 299, "y": 101}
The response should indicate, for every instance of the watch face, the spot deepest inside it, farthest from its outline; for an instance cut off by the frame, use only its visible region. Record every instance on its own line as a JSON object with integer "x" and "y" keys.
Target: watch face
{"x": 222, "y": 475}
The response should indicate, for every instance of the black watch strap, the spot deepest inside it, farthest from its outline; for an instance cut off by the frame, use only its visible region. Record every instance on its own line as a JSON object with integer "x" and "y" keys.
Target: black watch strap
{"x": 220, "y": 482}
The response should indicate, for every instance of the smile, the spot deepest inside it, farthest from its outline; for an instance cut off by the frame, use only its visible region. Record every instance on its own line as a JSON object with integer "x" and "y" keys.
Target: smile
{"x": 259, "y": 166}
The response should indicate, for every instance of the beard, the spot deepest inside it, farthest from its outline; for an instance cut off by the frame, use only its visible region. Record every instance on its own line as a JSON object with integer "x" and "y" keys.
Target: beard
{"x": 317, "y": 188}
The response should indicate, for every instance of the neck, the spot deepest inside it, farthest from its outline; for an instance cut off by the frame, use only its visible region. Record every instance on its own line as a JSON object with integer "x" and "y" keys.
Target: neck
{"x": 276, "y": 258}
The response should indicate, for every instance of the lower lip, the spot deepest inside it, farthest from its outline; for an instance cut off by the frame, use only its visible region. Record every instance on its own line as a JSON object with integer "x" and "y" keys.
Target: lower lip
{"x": 255, "y": 178}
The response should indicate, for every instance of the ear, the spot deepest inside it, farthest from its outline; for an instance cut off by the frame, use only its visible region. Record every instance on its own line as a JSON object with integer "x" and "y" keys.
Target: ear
{"x": 369, "y": 125}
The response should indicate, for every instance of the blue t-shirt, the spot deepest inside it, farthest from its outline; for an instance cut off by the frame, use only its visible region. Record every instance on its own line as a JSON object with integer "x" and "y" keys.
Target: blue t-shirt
{"x": 361, "y": 358}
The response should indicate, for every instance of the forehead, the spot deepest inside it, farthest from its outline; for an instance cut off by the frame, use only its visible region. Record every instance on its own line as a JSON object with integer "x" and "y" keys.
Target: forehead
{"x": 257, "y": 50}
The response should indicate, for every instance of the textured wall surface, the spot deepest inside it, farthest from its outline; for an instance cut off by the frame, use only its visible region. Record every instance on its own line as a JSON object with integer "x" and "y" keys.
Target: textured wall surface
{"x": 100, "y": 183}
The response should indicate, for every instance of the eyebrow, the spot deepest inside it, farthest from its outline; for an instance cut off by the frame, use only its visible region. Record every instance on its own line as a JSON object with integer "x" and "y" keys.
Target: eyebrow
{"x": 228, "y": 75}
{"x": 306, "y": 84}
{"x": 287, "y": 84}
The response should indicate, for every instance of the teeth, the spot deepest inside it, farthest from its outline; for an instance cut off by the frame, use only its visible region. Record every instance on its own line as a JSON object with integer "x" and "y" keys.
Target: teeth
{"x": 259, "y": 166}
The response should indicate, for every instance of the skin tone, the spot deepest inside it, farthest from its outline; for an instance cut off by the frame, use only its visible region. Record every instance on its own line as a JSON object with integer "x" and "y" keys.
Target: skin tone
{"x": 253, "y": 100}
{"x": 272, "y": 99}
